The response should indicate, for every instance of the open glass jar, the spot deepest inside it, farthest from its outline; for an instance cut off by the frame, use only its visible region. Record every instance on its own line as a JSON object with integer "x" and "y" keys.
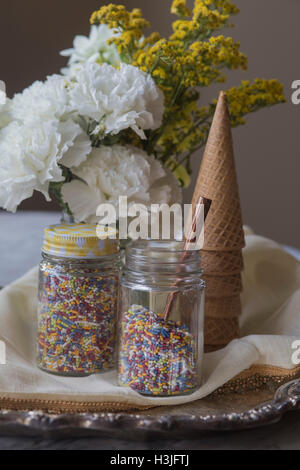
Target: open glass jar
{"x": 78, "y": 295}
{"x": 159, "y": 353}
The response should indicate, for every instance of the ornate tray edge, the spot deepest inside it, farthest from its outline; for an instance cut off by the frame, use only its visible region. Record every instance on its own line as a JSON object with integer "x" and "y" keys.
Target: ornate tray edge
{"x": 140, "y": 426}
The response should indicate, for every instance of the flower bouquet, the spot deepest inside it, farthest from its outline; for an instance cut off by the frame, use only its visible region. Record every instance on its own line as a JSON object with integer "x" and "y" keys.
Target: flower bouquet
{"x": 125, "y": 116}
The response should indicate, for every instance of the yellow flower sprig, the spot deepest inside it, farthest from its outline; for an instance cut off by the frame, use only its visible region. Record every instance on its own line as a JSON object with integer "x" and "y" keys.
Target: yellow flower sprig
{"x": 130, "y": 25}
{"x": 179, "y": 72}
{"x": 207, "y": 17}
{"x": 192, "y": 132}
{"x": 180, "y": 8}
{"x": 250, "y": 97}
{"x": 199, "y": 65}
{"x": 194, "y": 56}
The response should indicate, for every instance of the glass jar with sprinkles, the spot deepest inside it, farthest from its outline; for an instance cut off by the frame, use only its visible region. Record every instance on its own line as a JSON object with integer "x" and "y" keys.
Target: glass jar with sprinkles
{"x": 161, "y": 309}
{"x": 78, "y": 294}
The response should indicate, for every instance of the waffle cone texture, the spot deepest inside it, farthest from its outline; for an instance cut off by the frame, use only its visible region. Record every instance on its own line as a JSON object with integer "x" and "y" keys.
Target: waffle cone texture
{"x": 223, "y": 286}
{"x": 222, "y": 258}
{"x": 224, "y": 262}
{"x": 217, "y": 180}
{"x": 218, "y": 332}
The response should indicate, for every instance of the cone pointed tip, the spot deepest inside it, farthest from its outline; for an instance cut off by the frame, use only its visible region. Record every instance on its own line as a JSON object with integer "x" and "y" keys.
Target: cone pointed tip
{"x": 222, "y": 96}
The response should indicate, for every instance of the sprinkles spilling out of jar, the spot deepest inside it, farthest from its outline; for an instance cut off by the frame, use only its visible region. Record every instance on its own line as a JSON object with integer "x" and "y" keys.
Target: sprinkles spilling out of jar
{"x": 77, "y": 321}
{"x": 156, "y": 357}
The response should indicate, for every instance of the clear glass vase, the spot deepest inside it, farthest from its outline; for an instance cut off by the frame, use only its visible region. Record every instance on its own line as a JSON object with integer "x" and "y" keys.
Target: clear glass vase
{"x": 160, "y": 352}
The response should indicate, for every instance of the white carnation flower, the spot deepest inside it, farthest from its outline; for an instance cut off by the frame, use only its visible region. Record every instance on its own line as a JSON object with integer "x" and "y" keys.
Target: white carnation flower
{"x": 110, "y": 172}
{"x": 30, "y": 157}
{"x": 28, "y": 161}
{"x": 42, "y": 100}
{"x": 92, "y": 49}
{"x": 118, "y": 98}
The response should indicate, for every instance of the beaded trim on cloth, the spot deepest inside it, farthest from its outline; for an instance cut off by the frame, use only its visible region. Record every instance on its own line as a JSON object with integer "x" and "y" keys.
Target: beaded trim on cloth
{"x": 62, "y": 406}
{"x": 256, "y": 377}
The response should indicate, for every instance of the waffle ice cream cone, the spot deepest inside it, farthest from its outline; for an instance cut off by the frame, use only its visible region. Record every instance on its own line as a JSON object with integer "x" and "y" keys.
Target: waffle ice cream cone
{"x": 220, "y": 331}
{"x": 223, "y": 307}
{"x": 217, "y": 180}
{"x": 223, "y": 286}
{"x": 222, "y": 259}
{"x": 225, "y": 262}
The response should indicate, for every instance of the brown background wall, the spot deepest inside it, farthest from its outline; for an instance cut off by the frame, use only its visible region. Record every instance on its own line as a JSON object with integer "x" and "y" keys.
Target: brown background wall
{"x": 32, "y": 33}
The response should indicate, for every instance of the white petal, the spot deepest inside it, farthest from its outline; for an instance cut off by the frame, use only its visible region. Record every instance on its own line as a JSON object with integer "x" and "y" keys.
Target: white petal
{"x": 82, "y": 199}
{"x": 78, "y": 151}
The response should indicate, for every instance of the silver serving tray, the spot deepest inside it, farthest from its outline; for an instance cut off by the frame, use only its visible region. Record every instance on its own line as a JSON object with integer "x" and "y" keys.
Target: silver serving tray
{"x": 221, "y": 413}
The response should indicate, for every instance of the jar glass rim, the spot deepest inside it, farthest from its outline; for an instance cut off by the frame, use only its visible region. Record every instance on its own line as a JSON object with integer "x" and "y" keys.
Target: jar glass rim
{"x": 157, "y": 250}
{"x": 158, "y": 245}
{"x": 147, "y": 257}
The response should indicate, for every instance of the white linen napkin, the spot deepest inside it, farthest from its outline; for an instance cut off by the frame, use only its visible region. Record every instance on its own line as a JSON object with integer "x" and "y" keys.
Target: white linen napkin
{"x": 270, "y": 324}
